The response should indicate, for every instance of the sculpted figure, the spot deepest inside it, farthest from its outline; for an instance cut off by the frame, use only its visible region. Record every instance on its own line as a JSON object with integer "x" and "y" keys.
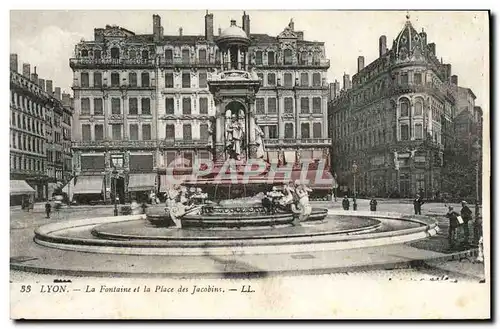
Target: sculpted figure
{"x": 302, "y": 207}
{"x": 259, "y": 135}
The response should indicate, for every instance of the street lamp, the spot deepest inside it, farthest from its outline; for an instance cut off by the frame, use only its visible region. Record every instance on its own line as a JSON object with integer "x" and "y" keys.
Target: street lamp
{"x": 477, "y": 148}
{"x": 115, "y": 176}
{"x": 354, "y": 171}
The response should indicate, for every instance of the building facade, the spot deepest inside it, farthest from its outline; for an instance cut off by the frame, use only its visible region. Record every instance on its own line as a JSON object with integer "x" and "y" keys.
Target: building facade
{"x": 142, "y": 101}
{"x": 37, "y": 149}
{"x": 393, "y": 120}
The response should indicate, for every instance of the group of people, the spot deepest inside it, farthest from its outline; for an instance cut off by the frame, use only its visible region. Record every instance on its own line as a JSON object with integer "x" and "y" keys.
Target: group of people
{"x": 459, "y": 223}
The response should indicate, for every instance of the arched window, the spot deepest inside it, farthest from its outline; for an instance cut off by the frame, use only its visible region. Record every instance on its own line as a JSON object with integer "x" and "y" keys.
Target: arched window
{"x": 418, "y": 107}
{"x": 287, "y": 55}
{"x": 404, "y": 106}
{"x": 115, "y": 53}
{"x": 145, "y": 55}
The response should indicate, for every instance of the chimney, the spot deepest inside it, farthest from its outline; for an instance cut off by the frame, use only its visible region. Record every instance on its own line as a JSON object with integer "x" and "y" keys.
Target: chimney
{"x": 246, "y": 23}
{"x": 423, "y": 36}
{"x": 99, "y": 35}
{"x": 448, "y": 71}
{"x": 382, "y": 45}
{"x": 66, "y": 99}
{"x": 209, "y": 27}
{"x": 291, "y": 25}
{"x": 57, "y": 93}
{"x": 26, "y": 70}
{"x": 233, "y": 22}
{"x": 157, "y": 28}
{"x": 13, "y": 62}
{"x": 180, "y": 31}
{"x": 347, "y": 82}
{"x": 300, "y": 35}
{"x": 331, "y": 91}
{"x": 34, "y": 76}
{"x": 432, "y": 48}
{"x": 361, "y": 63}
{"x": 336, "y": 88}
{"x": 454, "y": 80}
{"x": 41, "y": 83}
{"x": 48, "y": 85}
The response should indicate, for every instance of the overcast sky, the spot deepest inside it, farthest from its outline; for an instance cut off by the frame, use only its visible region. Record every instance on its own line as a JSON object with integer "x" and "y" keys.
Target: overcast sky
{"x": 461, "y": 38}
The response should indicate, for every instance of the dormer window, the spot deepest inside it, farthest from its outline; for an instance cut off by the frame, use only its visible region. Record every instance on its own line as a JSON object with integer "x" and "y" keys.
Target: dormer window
{"x": 132, "y": 54}
{"x": 288, "y": 59}
{"x": 115, "y": 53}
{"x": 85, "y": 53}
{"x": 145, "y": 54}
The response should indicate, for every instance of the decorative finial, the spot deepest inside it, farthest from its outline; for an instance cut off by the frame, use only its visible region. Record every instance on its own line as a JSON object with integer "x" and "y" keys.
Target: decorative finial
{"x": 408, "y": 15}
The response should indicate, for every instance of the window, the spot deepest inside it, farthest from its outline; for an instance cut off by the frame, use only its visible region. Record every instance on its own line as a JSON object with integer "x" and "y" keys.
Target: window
{"x": 258, "y": 58}
{"x": 132, "y": 106}
{"x": 271, "y": 58}
{"x": 202, "y": 55}
{"x": 145, "y": 55}
{"x": 303, "y": 57}
{"x": 404, "y": 133}
{"x": 146, "y": 132}
{"x": 98, "y": 109}
{"x": 304, "y": 130}
{"x": 115, "y": 53}
{"x": 417, "y": 78}
{"x": 169, "y": 106}
{"x": 132, "y": 54}
{"x": 203, "y": 105}
{"x": 418, "y": 131}
{"x": 316, "y": 79}
{"x": 259, "y": 105}
{"x": 145, "y": 79}
{"x": 186, "y": 132}
{"x": 186, "y": 105}
{"x": 304, "y": 105}
{"x": 145, "y": 106}
{"x": 97, "y": 54}
{"x": 202, "y": 80}
{"x": 13, "y": 140}
{"x": 132, "y": 79}
{"x": 169, "y": 55}
{"x": 418, "y": 107}
{"x": 116, "y": 131}
{"x": 98, "y": 132}
{"x": 404, "y": 78}
{"x": 169, "y": 80}
{"x": 170, "y": 131}
{"x": 85, "y": 53}
{"x": 288, "y": 105}
{"x": 13, "y": 119}
{"x": 204, "y": 132}
{"x": 115, "y": 106}
{"x": 115, "y": 79}
{"x": 85, "y": 80}
{"x": 287, "y": 57}
{"x": 273, "y": 131}
{"x": 85, "y": 133}
{"x": 404, "y": 106}
{"x": 288, "y": 80}
{"x": 85, "y": 110}
{"x": 271, "y": 105}
{"x": 186, "y": 80}
{"x": 304, "y": 79}
{"x": 271, "y": 79}
{"x": 185, "y": 56}
{"x": 316, "y": 57}
{"x": 317, "y": 105}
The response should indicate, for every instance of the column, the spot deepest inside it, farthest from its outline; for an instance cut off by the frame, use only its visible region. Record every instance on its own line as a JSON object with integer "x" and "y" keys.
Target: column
{"x": 219, "y": 126}
{"x": 228, "y": 59}
{"x": 239, "y": 59}
{"x": 106, "y": 115}
{"x": 298, "y": 134}
{"x": 281, "y": 123}
{"x": 125, "y": 120}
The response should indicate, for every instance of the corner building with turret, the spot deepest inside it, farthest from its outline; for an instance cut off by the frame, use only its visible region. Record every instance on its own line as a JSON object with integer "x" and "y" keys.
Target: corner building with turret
{"x": 143, "y": 101}
{"x": 394, "y": 120}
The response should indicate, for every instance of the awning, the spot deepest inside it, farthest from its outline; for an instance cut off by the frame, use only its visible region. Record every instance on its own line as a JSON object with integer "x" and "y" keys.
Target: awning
{"x": 169, "y": 180}
{"x": 20, "y": 187}
{"x": 141, "y": 182}
{"x": 88, "y": 185}
{"x": 316, "y": 179}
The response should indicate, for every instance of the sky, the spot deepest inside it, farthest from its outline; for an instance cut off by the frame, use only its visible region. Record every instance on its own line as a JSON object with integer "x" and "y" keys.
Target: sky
{"x": 461, "y": 38}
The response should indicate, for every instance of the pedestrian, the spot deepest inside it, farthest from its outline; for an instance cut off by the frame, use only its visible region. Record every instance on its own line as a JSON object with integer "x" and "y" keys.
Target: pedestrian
{"x": 48, "y": 208}
{"x": 345, "y": 203}
{"x": 417, "y": 204}
{"x": 466, "y": 214}
{"x": 373, "y": 204}
{"x": 453, "y": 227}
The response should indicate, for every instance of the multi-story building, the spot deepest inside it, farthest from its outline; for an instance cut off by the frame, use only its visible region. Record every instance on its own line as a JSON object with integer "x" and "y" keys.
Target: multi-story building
{"x": 36, "y": 148}
{"x": 393, "y": 120}
{"x": 142, "y": 101}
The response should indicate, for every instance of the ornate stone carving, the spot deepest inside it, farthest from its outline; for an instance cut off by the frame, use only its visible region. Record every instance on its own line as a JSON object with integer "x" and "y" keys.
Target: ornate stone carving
{"x": 219, "y": 153}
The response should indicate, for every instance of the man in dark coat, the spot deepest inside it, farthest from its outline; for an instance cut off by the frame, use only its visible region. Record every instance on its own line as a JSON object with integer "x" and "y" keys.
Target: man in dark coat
{"x": 417, "y": 204}
{"x": 373, "y": 205}
{"x": 345, "y": 203}
{"x": 466, "y": 214}
{"x": 48, "y": 208}
{"x": 453, "y": 227}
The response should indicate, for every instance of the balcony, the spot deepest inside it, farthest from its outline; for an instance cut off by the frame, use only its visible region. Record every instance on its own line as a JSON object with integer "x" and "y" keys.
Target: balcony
{"x": 78, "y": 63}
{"x": 319, "y": 64}
{"x": 187, "y": 143}
{"x": 107, "y": 144}
{"x": 179, "y": 62}
{"x": 293, "y": 141}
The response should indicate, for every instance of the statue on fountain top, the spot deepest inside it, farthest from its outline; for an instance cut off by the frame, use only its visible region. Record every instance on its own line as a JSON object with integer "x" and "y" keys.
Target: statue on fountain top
{"x": 234, "y": 137}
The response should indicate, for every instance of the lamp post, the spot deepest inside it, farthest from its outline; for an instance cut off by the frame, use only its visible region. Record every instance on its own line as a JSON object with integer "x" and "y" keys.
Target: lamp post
{"x": 115, "y": 175}
{"x": 354, "y": 171}
{"x": 477, "y": 148}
